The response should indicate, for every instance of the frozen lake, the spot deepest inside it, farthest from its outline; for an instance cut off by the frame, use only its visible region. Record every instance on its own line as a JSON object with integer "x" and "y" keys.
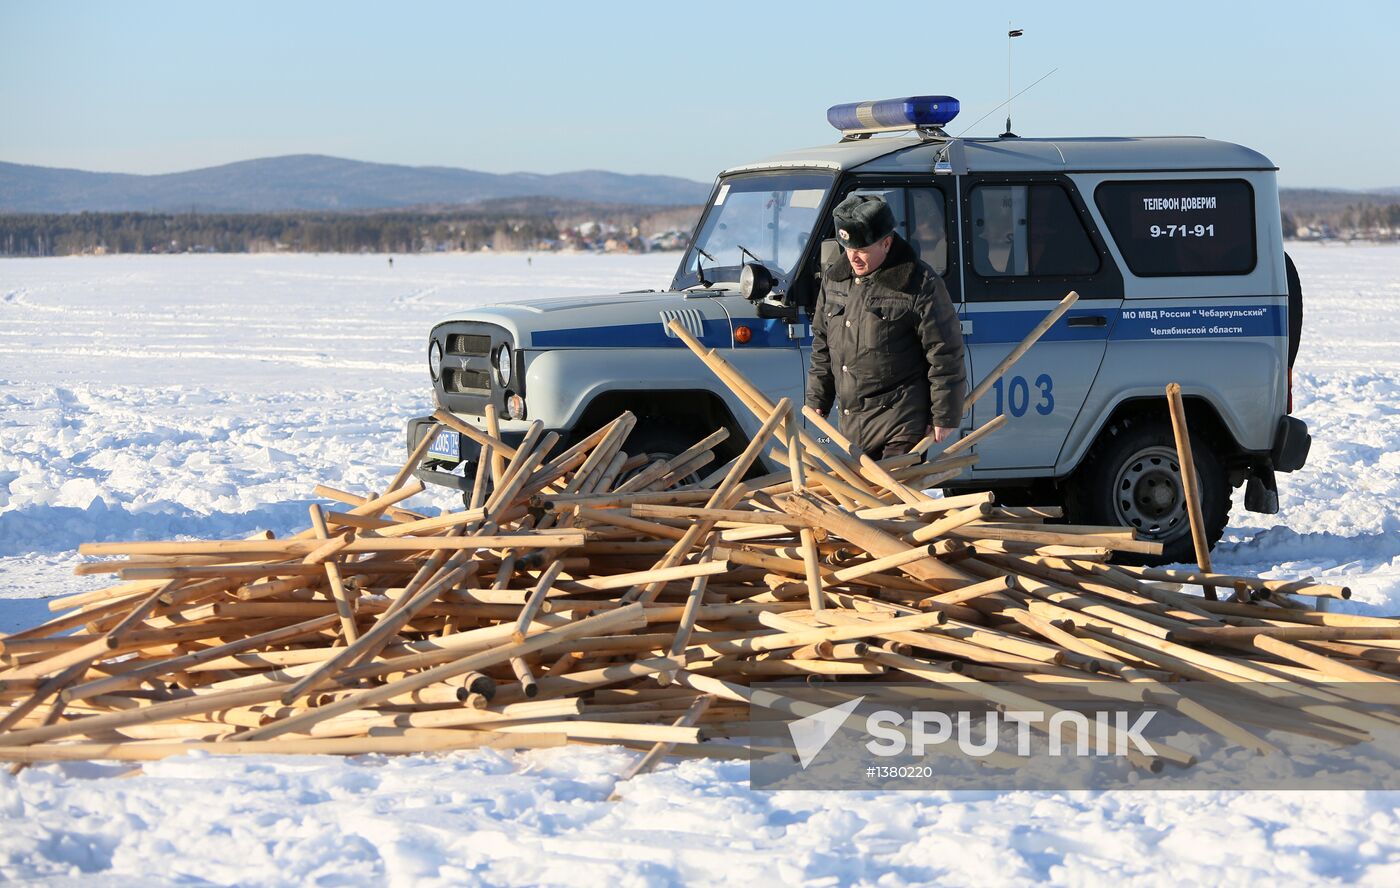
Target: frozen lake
{"x": 155, "y": 396}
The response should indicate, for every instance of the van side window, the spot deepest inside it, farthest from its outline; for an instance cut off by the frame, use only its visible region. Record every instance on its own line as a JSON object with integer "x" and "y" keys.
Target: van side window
{"x": 1020, "y": 230}
{"x": 1175, "y": 227}
{"x": 928, "y": 229}
{"x": 920, "y": 218}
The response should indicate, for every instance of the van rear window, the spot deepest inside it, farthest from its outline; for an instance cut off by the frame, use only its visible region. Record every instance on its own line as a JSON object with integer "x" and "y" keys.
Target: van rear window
{"x": 1177, "y": 227}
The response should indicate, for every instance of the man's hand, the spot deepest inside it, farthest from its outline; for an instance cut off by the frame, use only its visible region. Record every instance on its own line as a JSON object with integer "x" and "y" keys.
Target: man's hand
{"x": 940, "y": 434}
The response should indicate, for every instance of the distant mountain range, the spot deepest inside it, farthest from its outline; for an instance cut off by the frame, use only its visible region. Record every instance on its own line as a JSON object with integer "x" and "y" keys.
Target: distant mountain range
{"x": 316, "y": 182}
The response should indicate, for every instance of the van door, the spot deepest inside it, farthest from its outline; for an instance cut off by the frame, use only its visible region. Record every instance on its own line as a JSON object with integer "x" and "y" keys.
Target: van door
{"x": 1028, "y": 241}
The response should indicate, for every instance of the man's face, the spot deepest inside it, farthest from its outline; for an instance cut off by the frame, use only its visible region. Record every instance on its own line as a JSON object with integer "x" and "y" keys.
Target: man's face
{"x": 866, "y": 260}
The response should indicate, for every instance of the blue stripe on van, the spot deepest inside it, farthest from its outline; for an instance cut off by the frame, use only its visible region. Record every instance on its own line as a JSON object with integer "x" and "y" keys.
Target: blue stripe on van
{"x": 988, "y": 327}
{"x": 648, "y": 335}
{"x": 1128, "y": 324}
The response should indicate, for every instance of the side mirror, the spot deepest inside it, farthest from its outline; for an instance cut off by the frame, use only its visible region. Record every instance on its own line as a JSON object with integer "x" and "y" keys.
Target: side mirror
{"x": 755, "y": 282}
{"x": 830, "y": 251}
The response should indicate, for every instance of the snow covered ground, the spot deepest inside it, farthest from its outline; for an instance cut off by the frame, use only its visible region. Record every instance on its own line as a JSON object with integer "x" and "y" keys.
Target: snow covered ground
{"x": 150, "y": 396}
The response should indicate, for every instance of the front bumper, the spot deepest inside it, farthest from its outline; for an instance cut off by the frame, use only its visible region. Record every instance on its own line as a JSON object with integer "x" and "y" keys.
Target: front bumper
{"x": 444, "y": 472}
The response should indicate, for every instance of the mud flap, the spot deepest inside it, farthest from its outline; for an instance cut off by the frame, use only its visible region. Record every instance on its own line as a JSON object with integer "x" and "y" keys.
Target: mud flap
{"x": 1261, "y": 492}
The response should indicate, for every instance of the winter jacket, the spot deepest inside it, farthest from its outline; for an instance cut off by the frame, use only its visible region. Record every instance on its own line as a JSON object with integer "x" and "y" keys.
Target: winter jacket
{"x": 888, "y": 349}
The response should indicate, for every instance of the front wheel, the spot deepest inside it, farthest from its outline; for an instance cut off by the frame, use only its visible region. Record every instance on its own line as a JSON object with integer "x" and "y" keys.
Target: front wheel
{"x": 1132, "y": 478}
{"x": 660, "y": 440}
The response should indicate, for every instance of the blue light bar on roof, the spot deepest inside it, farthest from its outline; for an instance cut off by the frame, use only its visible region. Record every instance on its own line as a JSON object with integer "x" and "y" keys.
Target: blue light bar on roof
{"x": 893, "y": 114}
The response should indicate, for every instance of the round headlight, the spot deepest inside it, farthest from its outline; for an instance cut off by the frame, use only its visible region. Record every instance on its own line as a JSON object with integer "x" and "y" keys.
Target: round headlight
{"x": 503, "y": 365}
{"x": 755, "y": 281}
{"x": 435, "y": 360}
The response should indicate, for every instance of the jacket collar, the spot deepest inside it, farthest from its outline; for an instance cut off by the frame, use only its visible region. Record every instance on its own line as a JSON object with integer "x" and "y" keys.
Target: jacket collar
{"x": 895, "y": 272}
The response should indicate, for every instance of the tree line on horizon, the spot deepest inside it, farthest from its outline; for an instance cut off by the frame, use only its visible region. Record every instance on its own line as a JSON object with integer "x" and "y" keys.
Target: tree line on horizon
{"x": 1374, "y": 221}
{"x": 506, "y": 224}
{"x": 513, "y": 225}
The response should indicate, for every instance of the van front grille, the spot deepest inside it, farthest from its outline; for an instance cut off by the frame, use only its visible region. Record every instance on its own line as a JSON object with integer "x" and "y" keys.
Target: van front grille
{"x": 460, "y": 381}
{"x": 469, "y": 344}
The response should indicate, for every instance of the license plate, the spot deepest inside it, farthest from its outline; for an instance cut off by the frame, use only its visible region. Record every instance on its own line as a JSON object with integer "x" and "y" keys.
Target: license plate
{"x": 447, "y": 444}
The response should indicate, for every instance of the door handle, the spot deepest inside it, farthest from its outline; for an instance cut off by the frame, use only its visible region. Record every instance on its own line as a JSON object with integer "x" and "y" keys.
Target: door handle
{"x": 1088, "y": 321}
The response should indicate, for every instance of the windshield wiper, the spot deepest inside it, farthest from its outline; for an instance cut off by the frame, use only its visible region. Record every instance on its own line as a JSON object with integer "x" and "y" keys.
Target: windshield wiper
{"x": 700, "y": 269}
{"x": 745, "y": 251}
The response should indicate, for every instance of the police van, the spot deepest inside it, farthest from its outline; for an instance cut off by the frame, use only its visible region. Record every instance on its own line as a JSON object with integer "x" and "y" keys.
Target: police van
{"x": 1173, "y": 244}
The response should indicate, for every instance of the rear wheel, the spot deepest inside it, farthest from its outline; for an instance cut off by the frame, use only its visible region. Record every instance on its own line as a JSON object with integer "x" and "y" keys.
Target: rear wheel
{"x": 1132, "y": 478}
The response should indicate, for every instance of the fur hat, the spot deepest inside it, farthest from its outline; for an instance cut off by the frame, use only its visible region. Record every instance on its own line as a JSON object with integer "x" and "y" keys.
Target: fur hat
{"x": 861, "y": 220}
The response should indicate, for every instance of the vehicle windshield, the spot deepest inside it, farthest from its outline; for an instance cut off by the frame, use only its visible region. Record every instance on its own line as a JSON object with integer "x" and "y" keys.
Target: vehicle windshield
{"x": 771, "y": 215}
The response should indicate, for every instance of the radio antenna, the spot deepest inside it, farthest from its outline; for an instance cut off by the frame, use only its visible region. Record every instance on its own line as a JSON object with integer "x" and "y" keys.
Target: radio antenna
{"x": 1011, "y": 34}
{"x": 1004, "y": 104}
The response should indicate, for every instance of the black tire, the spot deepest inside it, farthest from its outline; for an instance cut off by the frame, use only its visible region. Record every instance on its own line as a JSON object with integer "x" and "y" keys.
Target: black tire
{"x": 1022, "y": 495}
{"x": 1132, "y": 478}
{"x": 661, "y": 440}
{"x": 1295, "y": 308}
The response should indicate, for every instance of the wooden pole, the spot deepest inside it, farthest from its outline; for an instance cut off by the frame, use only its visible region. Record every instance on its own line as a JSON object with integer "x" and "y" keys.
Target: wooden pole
{"x": 810, "y": 560}
{"x": 344, "y": 607}
{"x": 532, "y": 604}
{"x": 1015, "y": 354}
{"x": 752, "y": 398}
{"x": 693, "y": 605}
{"x": 470, "y": 663}
{"x": 493, "y": 457}
{"x": 407, "y": 743}
{"x": 1189, "y": 482}
{"x": 663, "y": 749}
{"x": 414, "y": 458}
{"x": 967, "y": 440}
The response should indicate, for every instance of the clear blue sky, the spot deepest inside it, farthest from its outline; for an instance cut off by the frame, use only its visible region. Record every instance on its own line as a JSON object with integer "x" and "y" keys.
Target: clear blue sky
{"x": 678, "y": 88}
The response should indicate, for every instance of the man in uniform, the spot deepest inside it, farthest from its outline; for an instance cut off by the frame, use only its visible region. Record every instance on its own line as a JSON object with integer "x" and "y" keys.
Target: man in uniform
{"x": 886, "y": 342}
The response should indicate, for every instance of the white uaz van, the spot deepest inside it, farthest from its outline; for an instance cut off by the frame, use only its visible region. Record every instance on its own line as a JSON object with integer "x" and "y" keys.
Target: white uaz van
{"x": 1174, "y": 245}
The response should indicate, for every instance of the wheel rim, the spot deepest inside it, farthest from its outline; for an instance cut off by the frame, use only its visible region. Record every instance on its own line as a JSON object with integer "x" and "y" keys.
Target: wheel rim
{"x": 1149, "y": 495}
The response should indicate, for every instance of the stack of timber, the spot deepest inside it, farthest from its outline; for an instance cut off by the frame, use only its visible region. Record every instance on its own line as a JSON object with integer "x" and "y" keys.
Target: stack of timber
{"x": 585, "y": 594}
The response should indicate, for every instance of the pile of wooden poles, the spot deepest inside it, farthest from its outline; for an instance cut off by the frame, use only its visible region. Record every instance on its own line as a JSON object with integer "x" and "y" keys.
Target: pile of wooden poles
{"x": 585, "y": 594}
